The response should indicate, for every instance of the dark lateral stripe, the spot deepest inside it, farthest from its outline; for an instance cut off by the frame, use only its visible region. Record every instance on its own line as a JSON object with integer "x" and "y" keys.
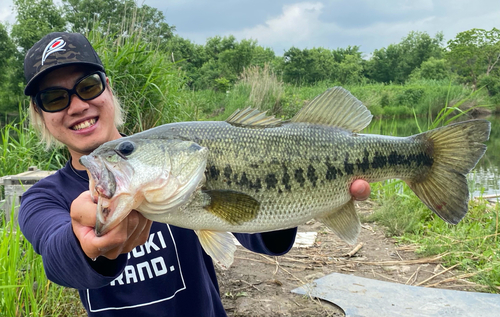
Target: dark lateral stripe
{"x": 378, "y": 161}
{"x": 271, "y": 181}
{"x": 213, "y": 172}
{"x": 364, "y": 165}
{"x": 311, "y": 175}
{"x": 395, "y": 159}
{"x": 286, "y": 179}
{"x": 299, "y": 176}
{"x": 348, "y": 167}
{"x": 228, "y": 171}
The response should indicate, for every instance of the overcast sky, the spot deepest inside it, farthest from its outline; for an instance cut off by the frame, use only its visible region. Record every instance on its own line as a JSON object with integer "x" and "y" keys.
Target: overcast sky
{"x": 281, "y": 24}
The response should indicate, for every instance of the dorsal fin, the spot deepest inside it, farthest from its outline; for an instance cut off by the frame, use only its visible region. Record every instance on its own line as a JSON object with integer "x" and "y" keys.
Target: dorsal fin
{"x": 255, "y": 118}
{"x": 336, "y": 107}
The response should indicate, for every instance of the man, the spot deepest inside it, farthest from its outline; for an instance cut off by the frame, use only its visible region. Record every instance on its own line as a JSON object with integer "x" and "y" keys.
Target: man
{"x": 139, "y": 268}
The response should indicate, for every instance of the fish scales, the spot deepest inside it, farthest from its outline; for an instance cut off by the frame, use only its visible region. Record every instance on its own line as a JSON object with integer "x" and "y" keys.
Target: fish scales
{"x": 256, "y": 173}
{"x": 298, "y": 168}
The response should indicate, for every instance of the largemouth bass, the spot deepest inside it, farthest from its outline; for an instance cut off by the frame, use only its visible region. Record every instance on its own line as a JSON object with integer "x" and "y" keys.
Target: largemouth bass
{"x": 254, "y": 173}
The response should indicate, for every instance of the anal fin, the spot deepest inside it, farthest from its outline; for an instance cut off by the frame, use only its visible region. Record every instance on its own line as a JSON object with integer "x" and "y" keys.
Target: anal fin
{"x": 344, "y": 222}
{"x": 219, "y": 245}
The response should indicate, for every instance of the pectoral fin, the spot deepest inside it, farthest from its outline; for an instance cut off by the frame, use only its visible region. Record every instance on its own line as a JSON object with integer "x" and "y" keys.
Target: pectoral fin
{"x": 219, "y": 245}
{"x": 344, "y": 222}
{"x": 232, "y": 206}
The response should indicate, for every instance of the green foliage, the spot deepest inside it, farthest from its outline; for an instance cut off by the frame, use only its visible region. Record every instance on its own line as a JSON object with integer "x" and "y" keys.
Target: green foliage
{"x": 24, "y": 288}
{"x": 473, "y": 53}
{"x": 224, "y": 58}
{"x": 9, "y": 73}
{"x": 400, "y": 210}
{"x": 20, "y": 149}
{"x": 350, "y": 70}
{"x": 471, "y": 244}
{"x": 117, "y": 18}
{"x": 187, "y": 56}
{"x": 144, "y": 80}
{"x": 492, "y": 84}
{"x": 35, "y": 19}
{"x": 433, "y": 69}
{"x": 396, "y": 62}
{"x": 7, "y": 51}
{"x": 222, "y": 84}
{"x": 309, "y": 66}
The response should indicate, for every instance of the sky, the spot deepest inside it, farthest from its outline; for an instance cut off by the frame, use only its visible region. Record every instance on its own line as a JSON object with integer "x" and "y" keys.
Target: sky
{"x": 332, "y": 24}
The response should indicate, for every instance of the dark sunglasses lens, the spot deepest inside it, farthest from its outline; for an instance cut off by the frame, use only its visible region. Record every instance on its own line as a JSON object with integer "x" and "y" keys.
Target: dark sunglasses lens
{"x": 54, "y": 100}
{"x": 90, "y": 87}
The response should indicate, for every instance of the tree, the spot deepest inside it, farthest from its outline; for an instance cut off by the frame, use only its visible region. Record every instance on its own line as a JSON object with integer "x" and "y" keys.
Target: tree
{"x": 35, "y": 19}
{"x": 350, "y": 70}
{"x": 7, "y": 51}
{"x": 432, "y": 68}
{"x": 396, "y": 62}
{"x": 474, "y": 53}
{"x": 118, "y": 18}
{"x": 308, "y": 65}
{"x": 9, "y": 57}
{"x": 340, "y": 54}
{"x": 225, "y": 59}
{"x": 262, "y": 56}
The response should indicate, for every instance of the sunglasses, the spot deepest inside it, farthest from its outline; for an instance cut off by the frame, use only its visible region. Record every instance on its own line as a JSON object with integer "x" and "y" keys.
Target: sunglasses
{"x": 57, "y": 99}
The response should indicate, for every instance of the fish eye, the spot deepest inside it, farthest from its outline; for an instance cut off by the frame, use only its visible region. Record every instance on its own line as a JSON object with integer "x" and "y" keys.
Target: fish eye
{"x": 125, "y": 148}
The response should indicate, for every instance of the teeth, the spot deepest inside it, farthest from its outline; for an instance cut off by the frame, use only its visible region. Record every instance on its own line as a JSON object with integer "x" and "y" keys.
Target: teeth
{"x": 84, "y": 124}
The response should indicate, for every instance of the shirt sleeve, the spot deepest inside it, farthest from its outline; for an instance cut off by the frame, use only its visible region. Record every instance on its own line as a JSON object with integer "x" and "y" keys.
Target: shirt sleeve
{"x": 45, "y": 221}
{"x": 270, "y": 243}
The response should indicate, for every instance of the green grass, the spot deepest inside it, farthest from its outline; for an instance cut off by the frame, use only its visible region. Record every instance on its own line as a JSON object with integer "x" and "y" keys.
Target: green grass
{"x": 153, "y": 92}
{"x": 425, "y": 99}
{"x": 24, "y": 288}
{"x": 20, "y": 148}
{"x": 471, "y": 245}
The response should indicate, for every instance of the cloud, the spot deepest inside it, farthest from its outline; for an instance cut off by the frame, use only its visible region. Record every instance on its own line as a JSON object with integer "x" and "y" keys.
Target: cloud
{"x": 369, "y": 24}
{"x": 296, "y": 24}
{"x": 6, "y": 11}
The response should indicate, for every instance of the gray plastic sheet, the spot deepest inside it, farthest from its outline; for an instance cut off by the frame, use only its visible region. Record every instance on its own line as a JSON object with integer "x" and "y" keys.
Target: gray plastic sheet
{"x": 363, "y": 297}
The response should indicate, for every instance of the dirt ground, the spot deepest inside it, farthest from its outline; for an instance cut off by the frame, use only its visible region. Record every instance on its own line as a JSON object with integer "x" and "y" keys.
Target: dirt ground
{"x": 258, "y": 285}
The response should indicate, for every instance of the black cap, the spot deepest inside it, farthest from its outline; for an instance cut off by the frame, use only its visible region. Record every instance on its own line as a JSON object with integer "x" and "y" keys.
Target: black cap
{"x": 55, "y": 50}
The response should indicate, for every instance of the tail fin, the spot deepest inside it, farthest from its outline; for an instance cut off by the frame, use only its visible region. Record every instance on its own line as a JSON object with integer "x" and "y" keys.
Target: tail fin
{"x": 457, "y": 149}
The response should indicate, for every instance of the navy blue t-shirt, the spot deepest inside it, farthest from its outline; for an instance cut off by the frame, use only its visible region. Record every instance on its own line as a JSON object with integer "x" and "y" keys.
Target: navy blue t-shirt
{"x": 170, "y": 275}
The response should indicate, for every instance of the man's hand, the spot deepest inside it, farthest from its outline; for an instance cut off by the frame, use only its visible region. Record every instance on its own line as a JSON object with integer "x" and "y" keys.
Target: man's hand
{"x": 130, "y": 233}
{"x": 360, "y": 189}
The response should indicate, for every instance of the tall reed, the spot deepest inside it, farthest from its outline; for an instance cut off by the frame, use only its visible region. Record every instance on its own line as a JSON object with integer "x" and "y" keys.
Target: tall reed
{"x": 20, "y": 148}
{"x": 266, "y": 90}
{"x": 24, "y": 287}
{"x": 148, "y": 85}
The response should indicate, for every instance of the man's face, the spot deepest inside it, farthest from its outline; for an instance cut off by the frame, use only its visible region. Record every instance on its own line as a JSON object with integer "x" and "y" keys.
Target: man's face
{"x": 84, "y": 125}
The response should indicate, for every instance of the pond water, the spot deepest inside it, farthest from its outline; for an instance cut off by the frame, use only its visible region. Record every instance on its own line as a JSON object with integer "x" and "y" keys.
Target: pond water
{"x": 485, "y": 178}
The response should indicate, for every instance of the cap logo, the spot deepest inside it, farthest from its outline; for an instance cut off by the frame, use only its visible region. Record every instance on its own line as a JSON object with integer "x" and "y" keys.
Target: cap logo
{"x": 56, "y": 45}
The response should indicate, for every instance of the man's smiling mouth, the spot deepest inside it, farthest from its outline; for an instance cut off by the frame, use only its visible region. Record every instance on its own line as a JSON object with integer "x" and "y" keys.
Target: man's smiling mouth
{"x": 84, "y": 124}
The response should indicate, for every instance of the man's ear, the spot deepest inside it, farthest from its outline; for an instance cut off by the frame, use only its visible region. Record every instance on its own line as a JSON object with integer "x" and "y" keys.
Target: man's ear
{"x": 33, "y": 104}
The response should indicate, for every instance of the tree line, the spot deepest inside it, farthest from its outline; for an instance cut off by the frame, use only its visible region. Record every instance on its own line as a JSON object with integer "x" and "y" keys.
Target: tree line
{"x": 471, "y": 58}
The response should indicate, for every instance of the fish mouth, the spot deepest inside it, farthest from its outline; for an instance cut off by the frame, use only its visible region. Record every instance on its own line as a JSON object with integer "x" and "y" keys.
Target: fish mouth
{"x": 103, "y": 179}
{"x": 106, "y": 193}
